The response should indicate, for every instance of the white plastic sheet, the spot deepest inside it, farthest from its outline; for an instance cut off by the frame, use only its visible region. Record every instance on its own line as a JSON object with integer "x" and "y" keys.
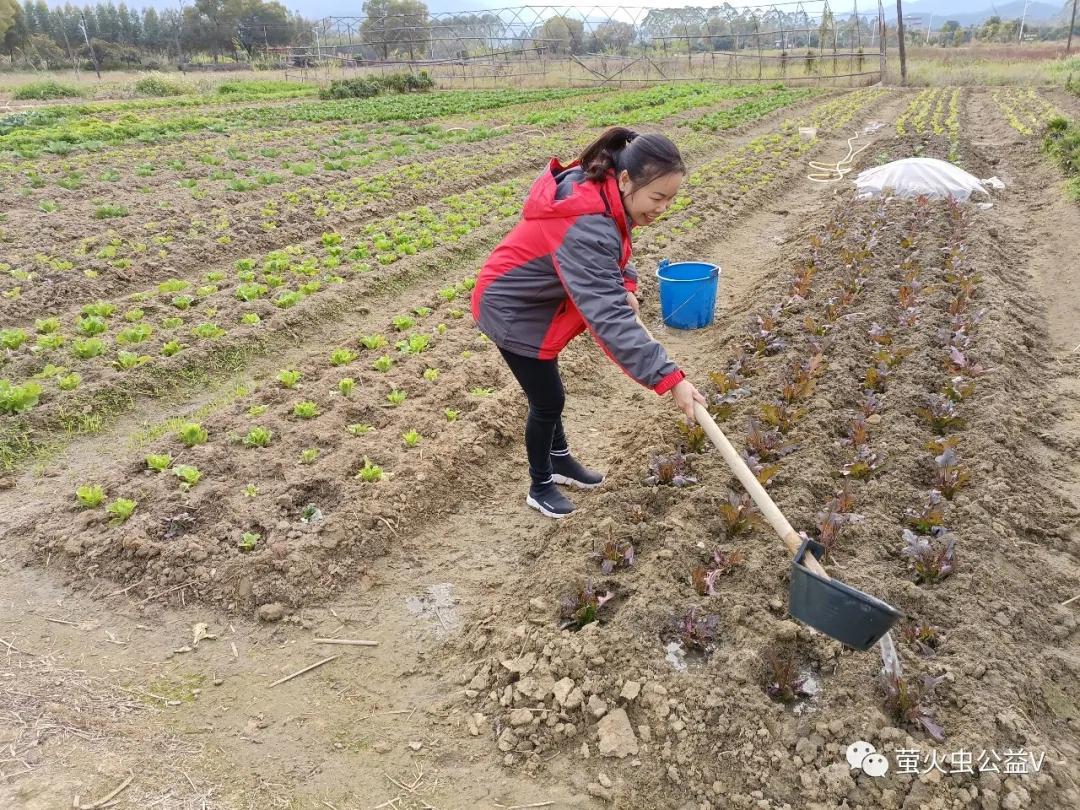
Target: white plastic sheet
{"x": 915, "y": 177}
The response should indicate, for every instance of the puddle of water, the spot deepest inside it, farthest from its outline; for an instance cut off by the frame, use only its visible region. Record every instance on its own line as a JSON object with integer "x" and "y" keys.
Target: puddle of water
{"x": 437, "y": 604}
{"x": 675, "y": 655}
{"x": 682, "y": 659}
{"x": 811, "y": 686}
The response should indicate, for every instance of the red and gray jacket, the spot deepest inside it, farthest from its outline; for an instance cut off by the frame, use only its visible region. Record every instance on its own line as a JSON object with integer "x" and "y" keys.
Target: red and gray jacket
{"x": 564, "y": 268}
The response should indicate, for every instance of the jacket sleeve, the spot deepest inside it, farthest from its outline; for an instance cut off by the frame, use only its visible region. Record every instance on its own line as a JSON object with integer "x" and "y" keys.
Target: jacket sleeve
{"x": 630, "y": 278}
{"x": 587, "y": 261}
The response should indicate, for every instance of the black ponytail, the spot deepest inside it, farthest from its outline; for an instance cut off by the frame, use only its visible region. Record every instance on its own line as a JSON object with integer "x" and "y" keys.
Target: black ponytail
{"x": 645, "y": 157}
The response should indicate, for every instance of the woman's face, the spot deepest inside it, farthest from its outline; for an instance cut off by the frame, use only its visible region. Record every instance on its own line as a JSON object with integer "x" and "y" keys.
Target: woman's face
{"x": 648, "y": 202}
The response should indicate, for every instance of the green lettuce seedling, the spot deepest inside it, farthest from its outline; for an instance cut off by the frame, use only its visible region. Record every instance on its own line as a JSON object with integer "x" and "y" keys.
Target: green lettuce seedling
{"x": 159, "y": 462}
{"x": 306, "y": 410}
{"x": 90, "y": 496}
{"x": 192, "y": 433}
{"x": 370, "y": 473}
{"x": 373, "y": 341}
{"x": 341, "y": 357}
{"x": 288, "y": 378}
{"x": 120, "y": 509}
{"x": 258, "y": 437}
{"x": 189, "y": 476}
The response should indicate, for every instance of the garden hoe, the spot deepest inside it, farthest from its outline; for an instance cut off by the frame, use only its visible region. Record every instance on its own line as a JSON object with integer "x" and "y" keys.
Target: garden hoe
{"x": 837, "y": 610}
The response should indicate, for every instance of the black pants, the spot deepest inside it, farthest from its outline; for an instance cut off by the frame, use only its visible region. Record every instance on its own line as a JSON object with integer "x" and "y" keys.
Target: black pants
{"x": 543, "y": 388}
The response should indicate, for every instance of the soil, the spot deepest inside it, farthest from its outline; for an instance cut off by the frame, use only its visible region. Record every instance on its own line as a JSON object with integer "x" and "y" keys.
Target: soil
{"x": 460, "y": 584}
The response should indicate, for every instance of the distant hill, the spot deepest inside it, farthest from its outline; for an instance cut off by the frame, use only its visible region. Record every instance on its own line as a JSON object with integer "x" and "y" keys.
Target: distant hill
{"x": 973, "y": 12}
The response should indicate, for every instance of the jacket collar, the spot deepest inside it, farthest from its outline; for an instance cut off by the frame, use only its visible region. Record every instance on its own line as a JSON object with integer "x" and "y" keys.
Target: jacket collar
{"x": 586, "y": 198}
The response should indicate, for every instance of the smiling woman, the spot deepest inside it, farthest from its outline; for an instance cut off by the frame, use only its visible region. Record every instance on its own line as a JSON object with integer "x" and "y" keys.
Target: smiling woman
{"x": 565, "y": 268}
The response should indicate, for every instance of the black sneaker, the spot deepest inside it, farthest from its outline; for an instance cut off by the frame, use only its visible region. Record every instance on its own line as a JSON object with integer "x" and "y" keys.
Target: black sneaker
{"x": 549, "y": 501}
{"x": 565, "y": 469}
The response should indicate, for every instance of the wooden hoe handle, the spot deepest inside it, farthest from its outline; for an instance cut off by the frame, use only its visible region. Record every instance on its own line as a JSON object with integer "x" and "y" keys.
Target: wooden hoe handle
{"x": 769, "y": 509}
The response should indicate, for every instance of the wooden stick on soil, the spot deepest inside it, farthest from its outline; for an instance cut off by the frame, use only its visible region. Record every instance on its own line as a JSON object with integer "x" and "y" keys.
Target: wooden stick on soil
{"x": 105, "y": 801}
{"x": 355, "y": 642}
{"x": 123, "y": 591}
{"x": 167, "y": 591}
{"x": 1070, "y": 601}
{"x": 11, "y": 646}
{"x": 523, "y": 806}
{"x": 302, "y": 671}
{"x": 60, "y": 621}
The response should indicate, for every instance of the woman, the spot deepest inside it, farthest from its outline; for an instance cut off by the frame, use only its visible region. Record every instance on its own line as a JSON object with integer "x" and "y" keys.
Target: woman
{"x": 564, "y": 268}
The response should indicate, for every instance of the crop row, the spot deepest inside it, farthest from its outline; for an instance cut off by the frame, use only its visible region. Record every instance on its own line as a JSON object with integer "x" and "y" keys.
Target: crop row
{"x": 1025, "y": 110}
{"x": 855, "y": 250}
{"x": 349, "y": 146}
{"x": 629, "y": 108}
{"x": 143, "y": 246}
{"x": 351, "y": 379}
{"x": 167, "y": 318}
{"x": 760, "y": 105}
{"x": 215, "y": 167}
{"x": 27, "y": 135}
{"x": 691, "y": 630}
{"x": 106, "y": 338}
{"x": 782, "y": 383}
{"x": 934, "y": 114}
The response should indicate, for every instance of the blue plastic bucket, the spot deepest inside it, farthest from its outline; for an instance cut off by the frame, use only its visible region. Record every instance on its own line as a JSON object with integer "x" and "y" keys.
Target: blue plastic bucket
{"x": 688, "y": 293}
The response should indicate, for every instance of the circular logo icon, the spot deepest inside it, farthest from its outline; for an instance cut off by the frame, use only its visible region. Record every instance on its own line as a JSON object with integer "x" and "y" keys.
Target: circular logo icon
{"x": 875, "y": 765}
{"x": 858, "y": 751}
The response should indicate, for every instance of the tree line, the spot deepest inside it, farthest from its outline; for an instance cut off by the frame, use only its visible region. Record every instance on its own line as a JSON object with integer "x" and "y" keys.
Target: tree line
{"x": 34, "y": 35}
{"x": 117, "y": 35}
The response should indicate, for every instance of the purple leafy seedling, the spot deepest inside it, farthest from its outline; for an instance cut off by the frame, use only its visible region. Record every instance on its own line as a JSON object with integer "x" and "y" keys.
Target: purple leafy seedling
{"x": 738, "y": 514}
{"x": 905, "y": 702}
{"x": 782, "y": 679}
{"x": 764, "y": 473}
{"x": 836, "y": 516}
{"x": 879, "y": 334}
{"x": 949, "y": 476}
{"x": 669, "y": 470}
{"x": 696, "y": 632}
{"x": 931, "y": 559}
{"x": 582, "y": 606}
{"x": 923, "y": 637}
{"x": 615, "y": 554}
{"x": 871, "y": 403}
{"x": 704, "y": 577}
{"x": 958, "y": 363}
{"x": 767, "y": 445}
{"x": 864, "y": 465}
{"x": 931, "y": 518}
{"x": 941, "y": 413}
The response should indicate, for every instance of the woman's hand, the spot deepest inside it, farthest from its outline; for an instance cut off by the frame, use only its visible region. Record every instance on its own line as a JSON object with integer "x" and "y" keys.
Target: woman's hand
{"x": 685, "y": 395}
{"x": 631, "y": 299}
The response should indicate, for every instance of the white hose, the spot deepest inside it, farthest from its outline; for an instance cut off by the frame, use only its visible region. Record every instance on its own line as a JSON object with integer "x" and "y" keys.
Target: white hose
{"x": 831, "y": 172}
